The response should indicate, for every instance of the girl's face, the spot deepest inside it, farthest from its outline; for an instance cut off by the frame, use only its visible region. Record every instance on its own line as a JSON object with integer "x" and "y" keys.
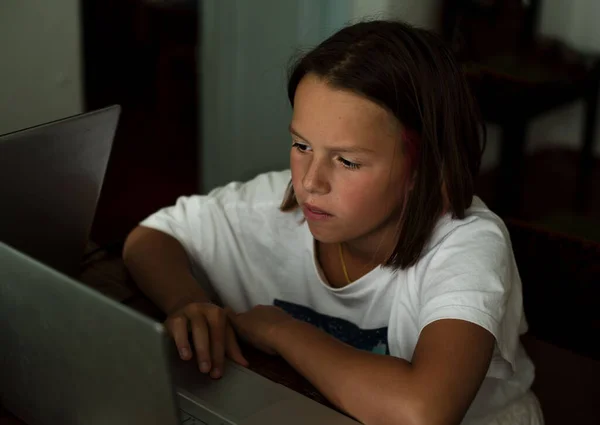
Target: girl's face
{"x": 346, "y": 163}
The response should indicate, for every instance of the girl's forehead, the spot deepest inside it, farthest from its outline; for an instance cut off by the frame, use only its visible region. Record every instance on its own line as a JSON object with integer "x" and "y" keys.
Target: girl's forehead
{"x": 328, "y": 113}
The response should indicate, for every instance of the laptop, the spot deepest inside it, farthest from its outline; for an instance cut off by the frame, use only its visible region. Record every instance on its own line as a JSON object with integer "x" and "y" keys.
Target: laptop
{"x": 71, "y": 355}
{"x": 50, "y": 181}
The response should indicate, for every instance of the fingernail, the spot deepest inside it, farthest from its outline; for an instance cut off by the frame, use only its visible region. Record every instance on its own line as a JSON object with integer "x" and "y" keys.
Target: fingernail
{"x": 204, "y": 367}
{"x": 184, "y": 352}
{"x": 215, "y": 373}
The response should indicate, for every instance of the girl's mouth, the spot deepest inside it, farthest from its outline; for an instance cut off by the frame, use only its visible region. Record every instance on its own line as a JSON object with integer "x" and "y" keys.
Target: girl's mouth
{"x": 314, "y": 214}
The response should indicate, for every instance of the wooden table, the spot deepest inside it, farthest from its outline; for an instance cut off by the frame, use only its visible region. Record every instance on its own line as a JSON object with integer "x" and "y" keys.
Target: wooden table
{"x": 107, "y": 274}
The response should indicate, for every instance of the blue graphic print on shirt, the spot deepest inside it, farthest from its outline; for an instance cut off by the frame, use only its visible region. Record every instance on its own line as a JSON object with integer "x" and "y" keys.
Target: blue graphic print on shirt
{"x": 373, "y": 340}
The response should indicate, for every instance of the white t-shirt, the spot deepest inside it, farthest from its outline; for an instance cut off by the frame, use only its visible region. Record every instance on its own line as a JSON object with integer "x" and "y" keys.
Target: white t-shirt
{"x": 252, "y": 253}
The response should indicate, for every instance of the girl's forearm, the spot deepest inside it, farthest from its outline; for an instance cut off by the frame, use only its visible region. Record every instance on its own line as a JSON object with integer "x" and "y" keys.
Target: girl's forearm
{"x": 372, "y": 388}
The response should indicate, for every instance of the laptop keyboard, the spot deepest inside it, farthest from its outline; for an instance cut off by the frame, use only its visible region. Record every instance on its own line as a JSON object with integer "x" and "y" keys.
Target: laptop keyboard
{"x": 188, "y": 419}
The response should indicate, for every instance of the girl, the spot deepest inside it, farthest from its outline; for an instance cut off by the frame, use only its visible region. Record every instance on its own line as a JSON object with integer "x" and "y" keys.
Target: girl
{"x": 370, "y": 266}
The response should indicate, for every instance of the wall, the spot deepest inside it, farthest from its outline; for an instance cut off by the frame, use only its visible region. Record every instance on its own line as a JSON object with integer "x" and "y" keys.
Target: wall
{"x": 40, "y": 71}
{"x": 575, "y": 22}
{"x": 422, "y": 13}
{"x": 245, "y": 50}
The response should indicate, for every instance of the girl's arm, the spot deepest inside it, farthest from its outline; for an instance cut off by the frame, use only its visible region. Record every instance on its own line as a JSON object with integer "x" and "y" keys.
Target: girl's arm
{"x": 161, "y": 268}
{"x": 448, "y": 366}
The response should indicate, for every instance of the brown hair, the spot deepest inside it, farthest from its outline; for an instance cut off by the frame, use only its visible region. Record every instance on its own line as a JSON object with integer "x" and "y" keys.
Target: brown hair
{"x": 410, "y": 72}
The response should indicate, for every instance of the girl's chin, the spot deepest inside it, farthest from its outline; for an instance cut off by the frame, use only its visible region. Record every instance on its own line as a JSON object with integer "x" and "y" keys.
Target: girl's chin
{"x": 327, "y": 237}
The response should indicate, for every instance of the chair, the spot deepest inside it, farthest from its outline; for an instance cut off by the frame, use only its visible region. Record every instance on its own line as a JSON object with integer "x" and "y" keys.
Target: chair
{"x": 517, "y": 77}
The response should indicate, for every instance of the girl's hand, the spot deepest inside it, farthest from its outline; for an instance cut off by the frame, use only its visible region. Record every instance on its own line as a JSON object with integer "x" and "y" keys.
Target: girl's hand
{"x": 212, "y": 336}
{"x": 258, "y": 326}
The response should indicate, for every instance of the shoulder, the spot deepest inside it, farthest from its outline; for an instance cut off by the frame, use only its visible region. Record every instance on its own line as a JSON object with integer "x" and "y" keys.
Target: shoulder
{"x": 225, "y": 206}
{"x": 469, "y": 256}
{"x": 251, "y": 210}
{"x": 265, "y": 189}
{"x": 480, "y": 232}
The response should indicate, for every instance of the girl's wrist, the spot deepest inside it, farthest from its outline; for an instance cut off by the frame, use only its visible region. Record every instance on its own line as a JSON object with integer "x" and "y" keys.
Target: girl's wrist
{"x": 285, "y": 331}
{"x": 196, "y": 296}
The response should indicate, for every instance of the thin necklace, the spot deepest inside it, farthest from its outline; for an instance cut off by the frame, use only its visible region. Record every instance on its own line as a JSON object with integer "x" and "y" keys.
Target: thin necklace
{"x": 344, "y": 263}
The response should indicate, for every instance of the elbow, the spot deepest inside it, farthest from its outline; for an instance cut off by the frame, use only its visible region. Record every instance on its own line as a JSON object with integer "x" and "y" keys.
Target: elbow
{"x": 404, "y": 411}
{"x": 419, "y": 413}
{"x": 130, "y": 244}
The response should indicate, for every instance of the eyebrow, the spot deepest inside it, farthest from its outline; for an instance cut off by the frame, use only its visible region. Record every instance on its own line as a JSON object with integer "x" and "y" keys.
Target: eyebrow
{"x": 350, "y": 149}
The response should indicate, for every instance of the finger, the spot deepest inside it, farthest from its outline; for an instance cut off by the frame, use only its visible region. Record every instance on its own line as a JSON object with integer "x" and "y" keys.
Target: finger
{"x": 216, "y": 324}
{"x": 232, "y": 348}
{"x": 201, "y": 343}
{"x": 177, "y": 327}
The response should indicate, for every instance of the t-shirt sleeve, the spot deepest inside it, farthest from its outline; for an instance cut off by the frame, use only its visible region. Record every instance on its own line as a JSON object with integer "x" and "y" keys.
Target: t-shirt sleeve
{"x": 216, "y": 229}
{"x": 206, "y": 229}
{"x": 473, "y": 277}
{"x": 195, "y": 220}
{"x": 185, "y": 221}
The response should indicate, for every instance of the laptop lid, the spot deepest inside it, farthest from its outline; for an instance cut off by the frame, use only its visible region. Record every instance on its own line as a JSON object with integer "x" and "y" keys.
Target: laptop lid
{"x": 50, "y": 181}
{"x": 70, "y": 355}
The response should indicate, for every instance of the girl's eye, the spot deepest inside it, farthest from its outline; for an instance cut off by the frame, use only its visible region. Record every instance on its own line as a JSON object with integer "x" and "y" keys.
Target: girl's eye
{"x": 348, "y": 164}
{"x": 300, "y": 147}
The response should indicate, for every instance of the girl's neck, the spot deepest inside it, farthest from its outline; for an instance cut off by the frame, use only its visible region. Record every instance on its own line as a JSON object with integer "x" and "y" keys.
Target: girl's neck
{"x": 371, "y": 250}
